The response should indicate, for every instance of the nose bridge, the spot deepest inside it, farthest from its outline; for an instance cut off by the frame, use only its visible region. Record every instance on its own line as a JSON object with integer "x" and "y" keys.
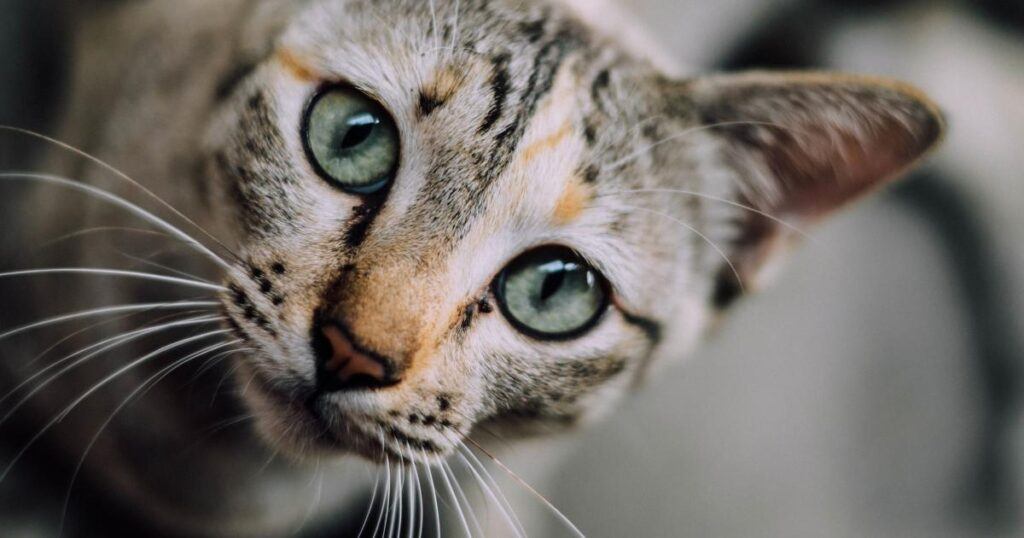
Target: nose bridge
{"x": 388, "y": 302}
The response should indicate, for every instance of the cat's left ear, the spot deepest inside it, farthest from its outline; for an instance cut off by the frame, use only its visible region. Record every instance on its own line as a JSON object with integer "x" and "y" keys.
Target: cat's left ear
{"x": 804, "y": 145}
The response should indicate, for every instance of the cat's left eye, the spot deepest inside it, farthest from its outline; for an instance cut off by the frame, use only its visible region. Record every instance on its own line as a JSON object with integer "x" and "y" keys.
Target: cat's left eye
{"x": 551, "y": 293}
{"x": 351, "y": 140}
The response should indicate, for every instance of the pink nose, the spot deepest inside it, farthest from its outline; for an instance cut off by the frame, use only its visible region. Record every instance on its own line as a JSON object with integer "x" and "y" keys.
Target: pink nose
{"x": 345, "y": 367}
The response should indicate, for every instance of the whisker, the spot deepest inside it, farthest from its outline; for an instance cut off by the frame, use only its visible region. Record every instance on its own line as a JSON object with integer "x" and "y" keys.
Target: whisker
{"x": 99, "y": 347}
{"x": 121, "y": 175}
{"x": 224, "y": 424}
{"x": 385, "y": 499}
{"x": 455, "y": 27}
{"x": 99, "y": 229}
{"x": 433, "y": 499}
{"x": 709, "y": 197}
{"x": 167, "y": 268}
{"x": 462, "y": 496}
{"x": 420, "y": 508}
{"x": 122, "y": 203}
{"x": 96, "y": 271}
{"x": 138, "y": 392}
{"x": 503, "y": 505}
{"x": 389, "y": 526}
{"x": 685, "y": 132}
{"x": 317, "y": 499}
{"x": 369, "y": 509}
{"x": 410, "y": 498}
{"x": 732, "y": 267}
{"x": 136, "y": 363}
{"x": 455, "y": 499}
{"x": 210, "y": 362}
{"x": 60, "y": 416}
{"x": 138, "y": 307}
{"x": 565, "y": 520}
{"x": 223, "y": 379}
{"x": 91, "y": 326}
{"x": 400, "y": 500}
{"x": 436, "y": 29}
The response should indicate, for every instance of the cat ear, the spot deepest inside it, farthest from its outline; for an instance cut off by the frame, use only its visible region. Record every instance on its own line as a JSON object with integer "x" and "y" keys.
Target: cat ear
{"x": 805, "y": 145}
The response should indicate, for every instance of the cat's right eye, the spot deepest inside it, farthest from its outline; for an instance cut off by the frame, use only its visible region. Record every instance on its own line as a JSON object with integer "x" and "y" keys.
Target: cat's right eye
{"x": 351, "y": 140}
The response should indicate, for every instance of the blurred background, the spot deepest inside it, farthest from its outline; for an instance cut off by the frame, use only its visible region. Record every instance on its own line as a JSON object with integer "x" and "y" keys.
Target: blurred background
{"x": 875, "y": 390}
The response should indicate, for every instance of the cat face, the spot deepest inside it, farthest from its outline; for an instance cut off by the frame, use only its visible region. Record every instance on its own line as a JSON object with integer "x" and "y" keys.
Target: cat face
{"x": 477, "y": 212}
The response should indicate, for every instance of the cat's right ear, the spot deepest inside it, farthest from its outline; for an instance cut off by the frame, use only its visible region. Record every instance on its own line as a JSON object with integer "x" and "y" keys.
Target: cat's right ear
{"x": 805, "y": 145}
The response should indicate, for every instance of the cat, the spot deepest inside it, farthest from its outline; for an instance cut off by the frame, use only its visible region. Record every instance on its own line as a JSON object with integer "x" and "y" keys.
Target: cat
{"x": 412, "y": 222}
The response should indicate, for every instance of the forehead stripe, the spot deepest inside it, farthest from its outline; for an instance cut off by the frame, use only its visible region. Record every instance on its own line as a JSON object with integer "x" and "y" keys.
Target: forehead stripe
{"x": 465, "y": 201}
{"x": 499, "y": 88}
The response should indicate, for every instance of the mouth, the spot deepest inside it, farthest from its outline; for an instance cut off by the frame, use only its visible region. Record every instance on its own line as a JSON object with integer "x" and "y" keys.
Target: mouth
{"x": 308, "y": 424}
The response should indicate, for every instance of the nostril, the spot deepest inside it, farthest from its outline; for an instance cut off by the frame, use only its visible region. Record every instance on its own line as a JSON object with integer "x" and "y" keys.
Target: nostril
{"x": 342, "y": 366}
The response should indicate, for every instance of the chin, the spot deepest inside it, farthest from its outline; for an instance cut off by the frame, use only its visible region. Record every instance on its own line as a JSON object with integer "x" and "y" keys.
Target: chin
{"x": 305, "y": 428}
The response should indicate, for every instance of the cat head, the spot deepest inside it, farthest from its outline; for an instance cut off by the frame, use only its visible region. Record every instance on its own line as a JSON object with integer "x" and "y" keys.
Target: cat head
{"x": 450, "y": 214}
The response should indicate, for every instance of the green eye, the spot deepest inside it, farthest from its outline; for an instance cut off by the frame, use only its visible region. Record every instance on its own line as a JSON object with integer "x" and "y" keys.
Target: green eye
{"x": 351, "y": 140}
{"x": 551, "y": 293}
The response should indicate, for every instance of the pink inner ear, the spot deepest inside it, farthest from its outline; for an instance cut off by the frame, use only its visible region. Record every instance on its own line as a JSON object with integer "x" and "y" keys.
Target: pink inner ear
{"x": 822, "y": 140}
{"x": 807, "y": 144}
{"x": 822, "y": 168}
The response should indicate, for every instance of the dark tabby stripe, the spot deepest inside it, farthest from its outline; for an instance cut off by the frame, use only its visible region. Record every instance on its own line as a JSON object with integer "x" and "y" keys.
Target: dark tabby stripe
{"x": 500, "y": 86}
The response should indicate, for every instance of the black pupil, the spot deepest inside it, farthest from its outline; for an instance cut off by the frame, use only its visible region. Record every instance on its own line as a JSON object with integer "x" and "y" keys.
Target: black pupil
{"x": 552, "y": 283}
{"x": 360, "y": 128}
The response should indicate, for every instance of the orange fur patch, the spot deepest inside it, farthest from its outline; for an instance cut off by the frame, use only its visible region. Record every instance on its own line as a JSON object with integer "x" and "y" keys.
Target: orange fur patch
{"x": 446, "y": 82}
{"x": 572, "y": 202}
{"x": 547, "y": 143}
{"x": 296, "y": 66}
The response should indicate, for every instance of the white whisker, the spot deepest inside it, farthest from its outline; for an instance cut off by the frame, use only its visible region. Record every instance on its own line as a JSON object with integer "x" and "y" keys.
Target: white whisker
{"x": 558, "y": 513}
{"x": 369, "y": 509}
{"x": 91, "y": 326}
{"x": 494, "y": 484}
{"x": 433, "y": 496}
{"x": 99, "y": 229}
{"x": 709, "y": 197}
{"x": 169, "y": 269}
{"x": 455, "y": 27}
{"x": 317, "y": 499}
{"x": 60, "y": 416}
{"x": 136, "y": 363}
{"x": 732, "y": 267}
{"x": 212, "y": 361}
{"x": 139, "y": 307}
{"x": 455, "y": 499}
{"x": 436, "y": 28}
{"x": 96, "y": 271}
{"x": 119, "y": 174}
{"x": 645, "y": 150}
{"x": 420, "y": 508}
{"x": 122, "y": 203}
{"x": 513, "y": 523}
{"x": 138, "y": 392}
{"x": 462, "y": 497}
{"x": 399, "y": 513}
{"x": 385, "y": 499}
{"x": 410, "y": 500}
{"x": 99, "y": 347}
